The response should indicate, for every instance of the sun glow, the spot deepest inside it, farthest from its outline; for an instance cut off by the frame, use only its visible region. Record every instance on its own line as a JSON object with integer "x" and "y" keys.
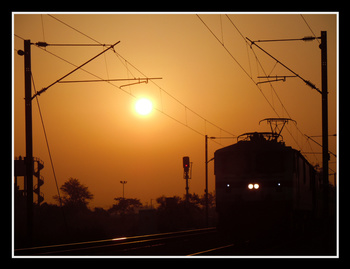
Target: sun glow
{"x": 143, "y": 106}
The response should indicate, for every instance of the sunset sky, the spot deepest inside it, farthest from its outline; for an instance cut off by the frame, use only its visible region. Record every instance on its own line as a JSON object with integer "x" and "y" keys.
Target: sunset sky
{"x": 207, "y": 87}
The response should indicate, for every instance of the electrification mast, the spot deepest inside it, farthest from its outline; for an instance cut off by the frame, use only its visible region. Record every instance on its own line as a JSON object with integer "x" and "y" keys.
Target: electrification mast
{"x": 29, "y": 138}
{"x": 29, "y": 162}
{"x": 324, "y": 94}
{"x": 325, "y": 154}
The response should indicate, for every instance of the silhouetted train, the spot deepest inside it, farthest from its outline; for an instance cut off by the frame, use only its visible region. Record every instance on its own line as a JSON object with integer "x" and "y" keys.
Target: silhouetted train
{"x": 264, "y": 186}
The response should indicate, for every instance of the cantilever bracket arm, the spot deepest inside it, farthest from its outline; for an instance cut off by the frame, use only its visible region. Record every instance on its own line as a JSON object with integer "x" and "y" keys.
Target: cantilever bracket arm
{"x": 276, "y": 78}
{"x": 309, "y": 83}
{"x": 80, "y": 66}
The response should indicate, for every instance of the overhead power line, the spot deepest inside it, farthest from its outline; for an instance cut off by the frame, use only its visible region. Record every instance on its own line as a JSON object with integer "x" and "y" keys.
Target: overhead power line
{"x": 161, "y": 110}
{"x": 258, "y": 84}
{"x": 319, "y": 42}
{"x": 75, "y": 29}
{"x": 160, "y": 88}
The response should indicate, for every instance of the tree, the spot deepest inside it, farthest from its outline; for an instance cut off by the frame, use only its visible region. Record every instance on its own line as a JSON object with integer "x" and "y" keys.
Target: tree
{"x": 75, "y": 194}
{"x": 176, "y": 213}
{"x": 211, "y": 200}
{"x": 125, "y": 206}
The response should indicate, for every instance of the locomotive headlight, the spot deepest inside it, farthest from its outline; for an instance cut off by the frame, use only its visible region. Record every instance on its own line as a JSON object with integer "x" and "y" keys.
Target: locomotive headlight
{"x": 254, "y": 186}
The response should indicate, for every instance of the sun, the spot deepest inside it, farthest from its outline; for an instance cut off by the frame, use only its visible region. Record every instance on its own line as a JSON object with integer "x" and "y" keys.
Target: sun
{"x": 143, "y": 106}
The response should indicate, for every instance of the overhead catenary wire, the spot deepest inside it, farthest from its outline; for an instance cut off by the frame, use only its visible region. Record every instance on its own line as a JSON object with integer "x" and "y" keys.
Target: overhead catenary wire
{"x": 283, "y": 106}
{"x": 224, "y": 47}
{"x": 75, "y": 29}
{"x": 252, "y": 79}
{"x": 296, "y": 75}
{"x": 186, "y": 124}
{"x": 173, "y": 97}
{"x": 309, "y": 137}
{"x": 161, "y": 110}
{"x": 42, "y": 26}
{"x": 250, "y": 76}
{"x": 233, "y": 58}
{"x": 272, "y": 105}
{"x": 160, "y": 88}
{"x": 319, "y": 42}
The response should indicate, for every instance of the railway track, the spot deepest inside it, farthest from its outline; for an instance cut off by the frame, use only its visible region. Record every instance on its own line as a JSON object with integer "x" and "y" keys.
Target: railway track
{"x": 172, "y": 243}
{"x": 195, "y": 242}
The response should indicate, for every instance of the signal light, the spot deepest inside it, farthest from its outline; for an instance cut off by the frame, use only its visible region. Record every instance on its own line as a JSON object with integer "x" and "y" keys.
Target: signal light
{"x": 186, "y": 163}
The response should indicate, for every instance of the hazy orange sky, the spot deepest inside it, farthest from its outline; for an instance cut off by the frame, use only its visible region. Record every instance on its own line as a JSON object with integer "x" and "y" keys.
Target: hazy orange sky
{"x": 95, "y": 134}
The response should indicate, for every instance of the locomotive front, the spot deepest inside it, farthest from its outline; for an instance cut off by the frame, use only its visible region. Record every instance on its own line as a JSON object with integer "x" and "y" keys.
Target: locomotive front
{"x": 253, "y": 183}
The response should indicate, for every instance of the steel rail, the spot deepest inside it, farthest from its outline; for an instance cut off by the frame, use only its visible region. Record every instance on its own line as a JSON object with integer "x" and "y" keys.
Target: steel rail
{"x": 119, "y": 241}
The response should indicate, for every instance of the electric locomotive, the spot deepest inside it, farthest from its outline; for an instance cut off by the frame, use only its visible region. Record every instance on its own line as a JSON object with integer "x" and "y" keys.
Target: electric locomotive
{"x": 263, "y": 186}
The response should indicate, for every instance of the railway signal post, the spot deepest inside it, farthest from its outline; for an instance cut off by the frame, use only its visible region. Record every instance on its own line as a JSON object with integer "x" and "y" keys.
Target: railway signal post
{"x": 186, "y": 166}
